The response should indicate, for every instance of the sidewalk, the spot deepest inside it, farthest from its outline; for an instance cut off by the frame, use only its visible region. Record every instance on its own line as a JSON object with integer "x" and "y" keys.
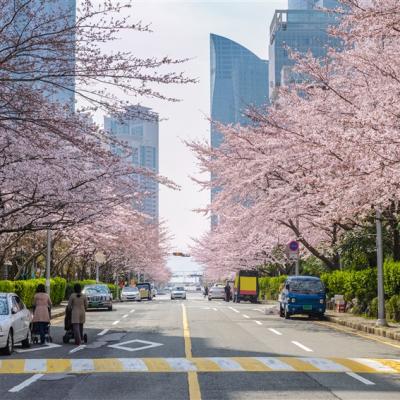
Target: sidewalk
{"x": 58, "y": 311}
{"x": 363, "y": 324}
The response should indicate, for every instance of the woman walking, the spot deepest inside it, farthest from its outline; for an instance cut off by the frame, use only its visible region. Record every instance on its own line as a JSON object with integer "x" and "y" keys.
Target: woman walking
{"x": 41, "y": 311}
{"x": 78, "y": 304}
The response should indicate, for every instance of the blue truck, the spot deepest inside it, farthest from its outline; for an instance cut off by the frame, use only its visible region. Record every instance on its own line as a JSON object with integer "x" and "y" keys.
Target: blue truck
{"x": 302, "y": 295}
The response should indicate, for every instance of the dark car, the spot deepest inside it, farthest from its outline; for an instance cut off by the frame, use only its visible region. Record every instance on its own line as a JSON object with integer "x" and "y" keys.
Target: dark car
{"x": 99, "y": 296}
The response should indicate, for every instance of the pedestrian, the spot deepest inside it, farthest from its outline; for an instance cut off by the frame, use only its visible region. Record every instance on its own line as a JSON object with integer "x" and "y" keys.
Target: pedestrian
{"x": 41, "y": 311}
{"x": 78, "y": 304}
{"x": 227, "y": 292}
{"x": 205, "y": 291}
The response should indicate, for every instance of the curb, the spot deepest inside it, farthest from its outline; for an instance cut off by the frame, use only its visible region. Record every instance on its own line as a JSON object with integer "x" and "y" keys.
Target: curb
{"x": 384, "y": 332}
{"x": 57, "y": 314}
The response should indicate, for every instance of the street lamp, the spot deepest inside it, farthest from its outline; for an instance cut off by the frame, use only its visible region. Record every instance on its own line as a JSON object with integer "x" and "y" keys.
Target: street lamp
{"x": 100, "y": 258}
{"x": 48, "y": 261}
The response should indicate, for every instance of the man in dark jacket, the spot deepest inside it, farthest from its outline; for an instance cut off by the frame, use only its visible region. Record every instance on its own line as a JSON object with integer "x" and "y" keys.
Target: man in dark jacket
{"x": 227, "y": 292}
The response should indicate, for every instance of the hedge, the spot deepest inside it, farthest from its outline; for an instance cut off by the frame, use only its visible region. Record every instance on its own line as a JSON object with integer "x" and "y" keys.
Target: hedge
{"x": 269, "y": 286}
{"x": 26, "y": 289}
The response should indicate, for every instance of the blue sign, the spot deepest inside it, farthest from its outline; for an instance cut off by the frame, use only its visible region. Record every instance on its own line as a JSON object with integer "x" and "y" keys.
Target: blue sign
{"x": 293, "y": 245}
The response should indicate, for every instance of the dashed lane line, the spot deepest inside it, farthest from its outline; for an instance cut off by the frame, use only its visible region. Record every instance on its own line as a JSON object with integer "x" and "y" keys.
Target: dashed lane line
{"x": 305, "y": 348}
{"x": 132, "y": 311}
{"x": 275, "y": 331}
{"x": 125, "y": 316}
{"x": 76, "y": 349}
{"x": 234, "y": 309}
{"x": 246, "y": 316}
{"x": 116, "y": 322}
{"x": 258, "y": 322}
{"x": 103, "y": 332}
{"x": 360, "y": 378}
{"x": 25, "y": 383}
{"x": 200, "y": 364}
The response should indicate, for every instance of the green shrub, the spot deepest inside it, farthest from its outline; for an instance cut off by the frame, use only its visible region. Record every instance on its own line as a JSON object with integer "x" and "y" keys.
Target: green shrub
{"x": 269, "y": 286}
{"x": 115, "y": 290}
{"x": 393, "y": 308}
{"x": 392, "y": 278}
{"x": 26, "y": 289}
{"x": 373, "y": 308}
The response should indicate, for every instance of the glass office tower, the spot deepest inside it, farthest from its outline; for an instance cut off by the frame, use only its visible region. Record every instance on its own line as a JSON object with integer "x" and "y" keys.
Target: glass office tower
{"x": 138, "y": 128}
{"x": 301, "y": 30}
{"x": 239, "y": 79}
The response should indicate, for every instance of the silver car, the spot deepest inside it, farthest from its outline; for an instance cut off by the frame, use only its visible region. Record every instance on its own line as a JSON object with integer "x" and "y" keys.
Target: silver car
{"x": 129, "y": 293}
{"x": 178, "y": 292}
{"x": 15, "y": 323}
{"x": 216, "y": 292}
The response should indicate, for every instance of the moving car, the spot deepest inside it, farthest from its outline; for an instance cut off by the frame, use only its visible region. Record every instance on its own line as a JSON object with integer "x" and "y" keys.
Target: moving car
{"x": 302, "y": 295}
{"x": 15, "y": 323}
{"x": 99, "y": 296}
{"x": 145, "y": 290}
{"x": 130, "y": 293}
{"x": 246, "y": 286}
{"x": 178, "y": 292}
{"x": 216, "y": 292}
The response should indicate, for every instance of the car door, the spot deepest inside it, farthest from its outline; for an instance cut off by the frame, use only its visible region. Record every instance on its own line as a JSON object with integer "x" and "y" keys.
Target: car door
{"x": 17, "y": 318}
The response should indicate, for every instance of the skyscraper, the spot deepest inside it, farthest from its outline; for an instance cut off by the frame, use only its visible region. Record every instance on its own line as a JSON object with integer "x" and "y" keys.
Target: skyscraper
{"x": 138, "y": 129}
{"x": 239, "y": 79}
{"x": 301, "y": 28}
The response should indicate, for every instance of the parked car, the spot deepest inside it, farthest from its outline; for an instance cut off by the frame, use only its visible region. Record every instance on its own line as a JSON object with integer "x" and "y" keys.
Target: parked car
{"x": 216, "y": 292}
{"x": 145, "y": 290}
{"x": 130, "y": 293}
{"x": 302, "y": 295}
{"x": 15, "y": 323}
{"x": 178, "y": 292}
{"x": 99, "y": 296}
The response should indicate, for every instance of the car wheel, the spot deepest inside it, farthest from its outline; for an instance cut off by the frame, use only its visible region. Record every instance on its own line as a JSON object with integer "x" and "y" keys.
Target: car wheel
{"x": 26, "y": 343}
{"x": 281, "y": 313}
{"x": 286, "y": 313}
{"x": 10, "y": 344}
{"x": 65, "y": 339}
{"x": 110, "y": 308}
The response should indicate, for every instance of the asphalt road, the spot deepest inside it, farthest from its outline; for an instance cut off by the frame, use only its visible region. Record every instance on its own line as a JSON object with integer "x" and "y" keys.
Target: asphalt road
{"x": 196, "y": 349}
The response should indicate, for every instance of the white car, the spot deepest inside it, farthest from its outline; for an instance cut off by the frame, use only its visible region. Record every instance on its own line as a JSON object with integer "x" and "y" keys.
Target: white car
{"x": 130, "y": 293}
{"x": 15, "y": 323}
{"x": 178, "y": 292}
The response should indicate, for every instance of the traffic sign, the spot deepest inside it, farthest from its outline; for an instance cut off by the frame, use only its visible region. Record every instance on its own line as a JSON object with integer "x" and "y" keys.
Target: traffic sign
{"x": 294, "y": 245}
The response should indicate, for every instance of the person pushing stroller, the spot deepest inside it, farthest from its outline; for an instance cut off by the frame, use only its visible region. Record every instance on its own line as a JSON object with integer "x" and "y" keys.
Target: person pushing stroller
{"x": 77, "y": 306}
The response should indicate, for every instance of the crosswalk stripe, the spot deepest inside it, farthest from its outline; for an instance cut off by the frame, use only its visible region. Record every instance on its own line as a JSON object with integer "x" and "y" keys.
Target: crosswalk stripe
{"x": 200, "y": 364}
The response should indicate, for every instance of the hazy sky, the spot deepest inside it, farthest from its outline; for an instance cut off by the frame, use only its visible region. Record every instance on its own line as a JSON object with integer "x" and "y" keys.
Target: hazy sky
{"x": 181, "y": 30}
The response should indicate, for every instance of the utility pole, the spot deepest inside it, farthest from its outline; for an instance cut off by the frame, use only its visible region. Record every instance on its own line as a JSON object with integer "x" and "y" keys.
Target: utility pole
{"x": 379, "y": 253}
{"x": 48, "y": 261}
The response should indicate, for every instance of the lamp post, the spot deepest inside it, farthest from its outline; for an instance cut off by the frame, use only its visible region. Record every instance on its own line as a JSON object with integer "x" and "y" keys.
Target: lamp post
{"x": 379, "y": 254}
{"x": 48, "y": 261}
{"x": 100, "y": 258}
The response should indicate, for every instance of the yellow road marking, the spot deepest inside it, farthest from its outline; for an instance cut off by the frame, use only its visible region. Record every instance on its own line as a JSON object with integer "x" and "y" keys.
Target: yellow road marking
{"x": 205, "y": 365}
{"x": 193, "y": 379}
{"x": 58, "y": 366}
{"x": 395, "y": 364}
{"x": 12, "y": 367}
{"x": 157, "y": 365}
{"x": 354, "y": 366}
{"x": 108, "y": 365}
{"x": 251, "y": 364}
{"x": 347, "y": 329}
{"x": 298, "y": 364}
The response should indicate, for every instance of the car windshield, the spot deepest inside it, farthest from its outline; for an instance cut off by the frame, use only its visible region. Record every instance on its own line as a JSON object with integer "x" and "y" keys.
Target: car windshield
{"x": 306, "y": 286}
{"x": 3, "y": 306}
{"x": 96, "y": 289}
{"x": 130, "y": 289}
{"x": 146, "y": 287}
{"x": 179, "y": 288}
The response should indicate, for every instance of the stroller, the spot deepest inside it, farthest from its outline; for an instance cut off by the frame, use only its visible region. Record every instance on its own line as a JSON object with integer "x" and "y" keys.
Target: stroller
{"x": 69, "y": 332}
{"x": 35, "y": 332}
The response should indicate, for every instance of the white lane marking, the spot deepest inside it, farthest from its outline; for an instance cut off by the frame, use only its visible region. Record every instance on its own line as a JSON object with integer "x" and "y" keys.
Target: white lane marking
{"x": 275, "y": 364}
{"x": 360, "y": 378}
{"x": 215, "y": 309}
{"x": 256, "y": 309}
{"x": 246, "y": 316}
{"x": 233, "y": 309}
{"x": 79, "y": 348}
{"x": 147, "y": 345}
{"x": 376, "y": 365}
{"x": 116, "y": 322}
{"x": 181, "y": 364}
{"x": 275, "y": 331}
{"x": 133, "y": 364}
{"x": 35, "y": 365}
{"x": 82, "y": 365}
{"x": 226, "y": 364}
{"x": 47, "y": 346}
{"x": 305, "y": 348}
{"x": 132, "y": 311}
{"x": 258, "y": 322}
{"x": 324, "y": 364}
{"x": 125, "y": 316}
{"x": 103, "y": 332}
{"x": 26, "y": 383}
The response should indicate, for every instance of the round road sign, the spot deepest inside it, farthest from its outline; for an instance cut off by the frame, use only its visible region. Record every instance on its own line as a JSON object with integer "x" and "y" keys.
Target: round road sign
{"x": 294, "y": 245}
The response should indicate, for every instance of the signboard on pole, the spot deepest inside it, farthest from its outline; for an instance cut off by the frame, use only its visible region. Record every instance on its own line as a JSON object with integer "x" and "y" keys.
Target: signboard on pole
{"x": 293, "y": 250}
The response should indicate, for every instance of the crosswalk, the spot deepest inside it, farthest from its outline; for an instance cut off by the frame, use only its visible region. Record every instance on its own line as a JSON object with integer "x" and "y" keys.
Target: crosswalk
{"x": 200, "y": 364}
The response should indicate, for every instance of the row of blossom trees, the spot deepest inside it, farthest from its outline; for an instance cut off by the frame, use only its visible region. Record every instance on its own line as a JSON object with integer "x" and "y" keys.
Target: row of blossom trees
{"x": 314, "y": 164}
{"x": 56, "y": 169}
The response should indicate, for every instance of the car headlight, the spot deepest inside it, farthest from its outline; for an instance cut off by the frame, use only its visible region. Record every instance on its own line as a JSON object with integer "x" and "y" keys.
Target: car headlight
{"x": 322, "y": 301}
{"x": 293, "y": 300}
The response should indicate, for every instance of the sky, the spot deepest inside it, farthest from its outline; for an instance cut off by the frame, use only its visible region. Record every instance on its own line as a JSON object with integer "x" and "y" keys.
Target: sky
{"x": 181, "y": 29}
